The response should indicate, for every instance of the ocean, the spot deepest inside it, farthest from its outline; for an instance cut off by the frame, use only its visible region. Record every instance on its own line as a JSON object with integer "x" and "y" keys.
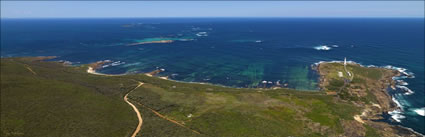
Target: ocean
{"x": 235, "y": 52}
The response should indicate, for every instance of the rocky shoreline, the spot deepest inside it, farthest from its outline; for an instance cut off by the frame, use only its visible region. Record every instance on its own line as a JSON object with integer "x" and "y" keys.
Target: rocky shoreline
{"x": 365, "y": 91}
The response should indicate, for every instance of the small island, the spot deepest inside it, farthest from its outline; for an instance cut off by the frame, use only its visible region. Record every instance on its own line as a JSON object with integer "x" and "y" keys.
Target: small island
{"x": 157, "y": 40}
{"x": 42, "y": 98}
{"x": 151, "y": 42}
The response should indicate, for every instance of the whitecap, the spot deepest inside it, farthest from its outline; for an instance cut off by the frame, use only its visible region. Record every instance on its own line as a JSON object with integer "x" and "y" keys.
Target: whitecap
{"x": 420, "y": 111}
{"x": 397, "y": 113}
{"x": 131, "y": 64}
{"x": 406, "y": 89}
{"x": 398, "y": 117}
{"x": 111, "y": 63}
{"x": 206, "y": 79}
{"x": 402, "y": 82}
{"x": 202, "y": 34}
{"x": 116, "y": 63}
{"x": 323, "y": 47}
{"x": 371, "y": 66}
{"x": 397, "y": 102}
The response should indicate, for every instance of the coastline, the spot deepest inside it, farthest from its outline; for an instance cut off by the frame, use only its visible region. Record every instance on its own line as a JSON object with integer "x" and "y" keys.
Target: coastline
{"x": 374, "y": 121}
{"x": 387, "y": 82}
{"x": 91, "y": 70}
{"x": 388, "y": 99}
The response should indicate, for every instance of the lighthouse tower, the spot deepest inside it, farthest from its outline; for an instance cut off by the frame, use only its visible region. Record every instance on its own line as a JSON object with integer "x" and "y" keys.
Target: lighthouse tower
{"x": 345, "y": 68}
{"x": 345, "y": 61}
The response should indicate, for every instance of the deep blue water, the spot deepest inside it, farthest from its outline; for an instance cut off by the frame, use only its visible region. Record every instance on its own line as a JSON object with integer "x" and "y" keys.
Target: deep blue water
{"x": 238, "y": 52}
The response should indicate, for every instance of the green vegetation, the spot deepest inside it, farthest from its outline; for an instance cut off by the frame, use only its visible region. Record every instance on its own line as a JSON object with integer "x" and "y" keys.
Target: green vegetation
{"x": 236, "y": 112}
{"x": 364, "y": 88}
{"x": 369, "y": 98}
{"x": 335, "y": 84}
{"x": 358, "y": 71}
{"x": 61, "y": 101}
{"x": 66, "y": 101}
{"x": 362, "y": 79}
{"x": 154, "y": 126}
{"x": 372, "y": 73}
{"x": 371, "y": 132}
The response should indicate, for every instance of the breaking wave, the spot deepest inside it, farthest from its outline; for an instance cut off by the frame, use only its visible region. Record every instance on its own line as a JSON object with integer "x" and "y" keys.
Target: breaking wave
{"x": 112, "y": 64}
{"x": 397, "y": 115}
{"x": 201, "y": 34}
{"x": 323, "y": 47}
{"x": 420, "y": 111}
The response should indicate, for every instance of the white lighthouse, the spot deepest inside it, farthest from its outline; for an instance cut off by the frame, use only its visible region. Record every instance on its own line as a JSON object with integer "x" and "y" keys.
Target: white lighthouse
{"x": 345, "y": 67}
{"x": 345, "y": 61}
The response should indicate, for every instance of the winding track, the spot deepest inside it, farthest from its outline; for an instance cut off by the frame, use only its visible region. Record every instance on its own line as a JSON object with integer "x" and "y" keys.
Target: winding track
{"x": 135, "y": 110}
{"x": 139, "y": 116}
{"x": 170, "y": 120}
{"x": 93, "y": 71}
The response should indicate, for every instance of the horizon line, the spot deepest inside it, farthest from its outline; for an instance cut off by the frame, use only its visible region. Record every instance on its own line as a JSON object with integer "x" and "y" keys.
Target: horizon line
{"x": 194, "y": 17}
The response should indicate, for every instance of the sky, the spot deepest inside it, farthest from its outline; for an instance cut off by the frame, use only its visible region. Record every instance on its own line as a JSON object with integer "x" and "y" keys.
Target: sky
{"x": 126, "y": 9}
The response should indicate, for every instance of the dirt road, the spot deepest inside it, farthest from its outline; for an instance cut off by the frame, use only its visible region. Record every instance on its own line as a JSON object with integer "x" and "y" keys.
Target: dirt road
{"x": 135, "y": 110}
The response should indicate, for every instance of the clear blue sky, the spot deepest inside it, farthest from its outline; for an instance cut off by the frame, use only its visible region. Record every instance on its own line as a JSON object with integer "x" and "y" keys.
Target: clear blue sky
{"x": 89, "y": 9}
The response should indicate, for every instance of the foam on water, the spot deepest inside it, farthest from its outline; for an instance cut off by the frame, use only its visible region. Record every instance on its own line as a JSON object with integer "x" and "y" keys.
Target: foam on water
{"x": 323, "y": 47}
{"x": 402, "y": 82}
{"x": 202, "y": 34}
{"x": 112, "y": 63}
{"x": 131, "y": 64}
{"x": 406, "y": 89}
{"x": 397, "y": 114}
{"x": 420, "y": 111}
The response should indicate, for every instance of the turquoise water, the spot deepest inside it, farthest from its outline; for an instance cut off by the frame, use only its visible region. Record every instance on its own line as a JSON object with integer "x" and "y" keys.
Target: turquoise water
{"x": 237, "y": 52}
